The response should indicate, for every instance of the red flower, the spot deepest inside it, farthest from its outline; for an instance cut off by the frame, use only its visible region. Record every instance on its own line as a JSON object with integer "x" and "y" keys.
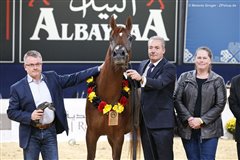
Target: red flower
{"x": 101, "y": 106}
{"x": 125, "y": 83}
{"x": 89, "y": 90}
{"x": 123, "y": 100}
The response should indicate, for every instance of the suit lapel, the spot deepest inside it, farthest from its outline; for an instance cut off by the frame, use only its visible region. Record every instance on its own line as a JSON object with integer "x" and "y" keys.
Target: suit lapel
{"x": 144, "y": 66}
{"x": 158, "y": 68}
{"x": 28, "y": 92}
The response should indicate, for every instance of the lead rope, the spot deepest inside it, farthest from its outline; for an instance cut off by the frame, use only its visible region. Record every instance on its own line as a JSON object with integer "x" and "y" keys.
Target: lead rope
{"x": 135, "y": 114}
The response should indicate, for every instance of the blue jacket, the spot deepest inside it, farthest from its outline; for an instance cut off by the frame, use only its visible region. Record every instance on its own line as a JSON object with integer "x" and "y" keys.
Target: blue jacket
{"x": 157, "y": 95}
{"x": 21, "y": 102}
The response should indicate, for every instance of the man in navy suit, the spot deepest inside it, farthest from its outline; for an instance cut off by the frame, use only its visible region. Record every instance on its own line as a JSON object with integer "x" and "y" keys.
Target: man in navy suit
{"x": 234, "y": 104}
{"x": 157, "y": 79}
{"x": 39, "y": 128}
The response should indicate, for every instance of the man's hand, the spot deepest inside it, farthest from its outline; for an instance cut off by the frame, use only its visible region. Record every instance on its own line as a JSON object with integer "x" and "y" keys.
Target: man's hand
{"x": 37, "y": 114}
{"x": 134, "y": 74}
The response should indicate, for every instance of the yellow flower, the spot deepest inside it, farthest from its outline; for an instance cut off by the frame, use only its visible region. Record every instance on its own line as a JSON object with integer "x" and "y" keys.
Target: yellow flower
{"x": 107, "y": 108}
{"x": 230, "y": 125}
{"x": 91, "y": 96}
{"x": 89, "y": 80}
{"x": 104, "y": 107}
{"x": 126, "y": 88}
{"x": 119, "y": 108}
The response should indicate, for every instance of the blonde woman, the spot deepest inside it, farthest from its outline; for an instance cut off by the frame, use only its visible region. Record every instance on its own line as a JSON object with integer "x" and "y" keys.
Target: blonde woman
{"x": 199, "y": 100}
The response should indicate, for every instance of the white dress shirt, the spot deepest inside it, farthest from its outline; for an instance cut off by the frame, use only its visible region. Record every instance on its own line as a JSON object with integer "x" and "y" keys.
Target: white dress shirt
{"x": 144, "y": 79}
{"x": 41, "y": 94}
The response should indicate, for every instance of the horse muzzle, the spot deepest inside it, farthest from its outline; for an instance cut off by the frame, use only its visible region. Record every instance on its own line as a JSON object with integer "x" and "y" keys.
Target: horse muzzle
{"x": 120, "y": 55}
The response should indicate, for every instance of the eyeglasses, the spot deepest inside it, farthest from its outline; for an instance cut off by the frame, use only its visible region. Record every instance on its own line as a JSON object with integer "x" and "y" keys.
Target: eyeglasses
{"x": 33, "y": 65}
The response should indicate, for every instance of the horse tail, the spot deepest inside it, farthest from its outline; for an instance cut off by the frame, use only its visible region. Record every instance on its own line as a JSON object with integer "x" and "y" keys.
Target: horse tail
{"x": 134, "y": 145}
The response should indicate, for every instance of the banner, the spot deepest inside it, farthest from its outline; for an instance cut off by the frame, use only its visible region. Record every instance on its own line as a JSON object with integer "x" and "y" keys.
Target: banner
{"x": 215, "y": 24}
{"x": 7, "y": 32}
{"x": 77, "y": 31}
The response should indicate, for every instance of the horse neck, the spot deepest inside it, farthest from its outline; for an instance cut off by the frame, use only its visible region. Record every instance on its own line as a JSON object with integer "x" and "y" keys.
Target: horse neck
{"x": 108, "y": 77}
{"x": 110, "y": 73}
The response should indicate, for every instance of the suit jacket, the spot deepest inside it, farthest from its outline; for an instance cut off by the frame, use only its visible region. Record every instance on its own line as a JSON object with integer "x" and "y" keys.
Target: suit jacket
{"x": 157, "y": 95}
{"x": 21, "y": 102}
{"x": 234, "y": 103}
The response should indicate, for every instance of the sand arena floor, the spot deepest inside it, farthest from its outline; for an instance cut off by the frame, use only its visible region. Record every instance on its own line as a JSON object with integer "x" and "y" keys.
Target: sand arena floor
{"x": 10, "y": 151}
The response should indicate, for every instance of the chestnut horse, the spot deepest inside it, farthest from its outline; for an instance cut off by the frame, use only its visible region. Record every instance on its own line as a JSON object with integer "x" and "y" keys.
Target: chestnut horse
{"x": 107, "y": 91}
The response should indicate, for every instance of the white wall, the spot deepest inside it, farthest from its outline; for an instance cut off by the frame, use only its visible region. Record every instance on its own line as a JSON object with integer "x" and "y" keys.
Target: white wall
{"x": 76, "y": 120}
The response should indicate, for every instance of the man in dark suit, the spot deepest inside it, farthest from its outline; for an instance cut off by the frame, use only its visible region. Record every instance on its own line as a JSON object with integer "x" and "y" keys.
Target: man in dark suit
{"x": 39, "y": 128}
{"x": 234, "y": 104}
{"x": 157, "y": 79}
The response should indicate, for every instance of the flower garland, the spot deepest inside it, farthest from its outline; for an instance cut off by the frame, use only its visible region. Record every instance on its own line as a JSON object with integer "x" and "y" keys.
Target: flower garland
{"x": 104, "y": 106}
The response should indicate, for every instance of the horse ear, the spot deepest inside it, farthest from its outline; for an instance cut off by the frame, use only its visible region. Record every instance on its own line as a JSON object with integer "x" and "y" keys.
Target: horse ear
{"x": 112, "y": 23}
{"x": 129, "y": 23}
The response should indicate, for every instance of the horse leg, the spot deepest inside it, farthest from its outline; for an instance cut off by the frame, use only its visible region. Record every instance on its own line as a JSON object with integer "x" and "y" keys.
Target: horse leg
{"x": 116, "y": 144}
{"x": 91, "y": 139}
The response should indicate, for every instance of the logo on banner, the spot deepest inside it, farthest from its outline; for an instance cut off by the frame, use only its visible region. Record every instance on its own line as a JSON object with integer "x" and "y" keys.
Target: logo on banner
{"x": 232, "y": 54}
{"x": 83, "y": 31}
{"x": 31, "y": 3}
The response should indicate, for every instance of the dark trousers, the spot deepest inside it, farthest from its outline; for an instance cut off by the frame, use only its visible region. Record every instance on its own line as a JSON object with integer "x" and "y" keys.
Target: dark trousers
{"x": 157, "y": 144}
{"x": 238, "y": 149}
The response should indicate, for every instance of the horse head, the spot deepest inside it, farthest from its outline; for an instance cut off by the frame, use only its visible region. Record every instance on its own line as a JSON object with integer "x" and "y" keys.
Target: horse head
{"x": 120, "y": 43}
